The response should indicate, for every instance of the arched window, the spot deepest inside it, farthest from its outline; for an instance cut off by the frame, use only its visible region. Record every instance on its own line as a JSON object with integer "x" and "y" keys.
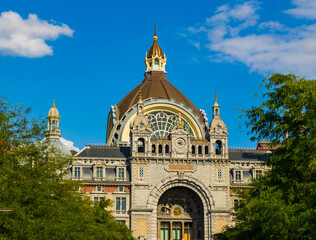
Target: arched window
{"x": 193, "y": 149}
{"x": 200, "y": 150}
{"x": 141, "y": 145}
{"x": 206, "y": 149}
{"x": 216, "y": 112}
{"x": 218, "y": 147}
{"x": 156, "y": 63}
{"x": 167, "y": 149}
{"x": 160, "y": 148}
{"x": 153, "y": 148}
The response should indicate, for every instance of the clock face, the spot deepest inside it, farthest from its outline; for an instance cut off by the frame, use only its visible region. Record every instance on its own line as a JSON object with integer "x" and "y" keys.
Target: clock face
{"x": 180, "y": 142}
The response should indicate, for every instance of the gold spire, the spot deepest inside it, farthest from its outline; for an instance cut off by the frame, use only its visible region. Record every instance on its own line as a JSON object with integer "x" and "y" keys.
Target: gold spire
{"x": 155, "y": 35}
{"x": 54, "y": 103}
{"x": 215, "y": 96}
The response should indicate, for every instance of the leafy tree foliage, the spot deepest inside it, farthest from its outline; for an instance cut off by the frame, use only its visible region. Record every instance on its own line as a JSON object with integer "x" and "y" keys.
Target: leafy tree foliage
{"x": 43, "y": 205}
{"x": 282, "y": 203}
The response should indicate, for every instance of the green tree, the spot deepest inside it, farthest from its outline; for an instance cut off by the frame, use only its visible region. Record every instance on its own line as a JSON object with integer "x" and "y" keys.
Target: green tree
{"x": 282, "y": 203}
{"x": 31, "y": 183}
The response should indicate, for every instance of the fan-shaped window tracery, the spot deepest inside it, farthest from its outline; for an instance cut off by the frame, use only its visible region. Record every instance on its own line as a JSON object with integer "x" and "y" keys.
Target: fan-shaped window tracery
{"x": 162, "y": 123}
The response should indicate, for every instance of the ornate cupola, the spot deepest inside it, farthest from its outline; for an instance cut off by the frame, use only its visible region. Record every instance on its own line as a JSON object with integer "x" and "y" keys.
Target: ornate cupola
{"x": 155, "y": 59}
{"x": 53, "y": 131}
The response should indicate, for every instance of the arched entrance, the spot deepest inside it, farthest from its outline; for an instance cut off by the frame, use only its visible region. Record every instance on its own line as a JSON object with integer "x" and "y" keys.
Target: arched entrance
{"x": 180, "y": 215}
{"x": 184, "y": 182}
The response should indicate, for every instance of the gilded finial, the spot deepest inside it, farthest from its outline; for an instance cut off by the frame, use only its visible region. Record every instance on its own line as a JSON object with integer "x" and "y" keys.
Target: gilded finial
{"x": 180, "y": 122}
{"x": 155, "y": 34}
{"x": 215, "y": 96}
{"x": 54, "y": 103}
{"x": 140, "y": 96}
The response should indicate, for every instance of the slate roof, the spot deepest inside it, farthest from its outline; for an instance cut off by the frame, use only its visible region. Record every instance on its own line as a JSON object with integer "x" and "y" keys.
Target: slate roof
{"x": 101, "y": 151}
{"x": 124, "y": 152}
{"x": 247, "y": 155}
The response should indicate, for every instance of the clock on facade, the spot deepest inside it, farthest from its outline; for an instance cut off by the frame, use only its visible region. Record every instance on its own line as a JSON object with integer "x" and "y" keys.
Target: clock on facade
{"x": 180, "y": 142}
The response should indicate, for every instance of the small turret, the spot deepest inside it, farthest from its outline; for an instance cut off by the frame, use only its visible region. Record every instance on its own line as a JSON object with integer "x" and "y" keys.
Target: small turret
{"x": 218, "y": 134}
{"x": 53, "y": 131}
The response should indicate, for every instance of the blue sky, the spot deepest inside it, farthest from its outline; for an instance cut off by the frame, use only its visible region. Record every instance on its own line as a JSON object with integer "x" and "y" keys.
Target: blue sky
{"x": 90, "y": 54}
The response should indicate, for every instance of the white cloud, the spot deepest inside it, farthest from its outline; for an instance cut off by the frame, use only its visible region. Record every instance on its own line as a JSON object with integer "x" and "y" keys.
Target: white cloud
{"x": 304, "y": 9}
{"x": 195, "y": 44}
{"x": 26, "y": 37}
{"x": 234, "y": 35}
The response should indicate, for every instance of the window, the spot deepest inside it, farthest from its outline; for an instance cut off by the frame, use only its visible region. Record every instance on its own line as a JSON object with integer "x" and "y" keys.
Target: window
{"x": 97, "y": 199}
{"x": 160, "y": 148}
{"x": 236, "y": 203}
{"x": 162, "y": 124}
{"x": 153, "y": 148}
{"x": 121, "y": 173}
{"x": 121, "y": 221}
{"x": 99, "y": 188}
{"x": 177, "y": 231}
{"x": 218, "y": 147}
{"x": 238, "y": 176}
{"x": 121, "y": 189}
{"x": 141, "y": 172}
{"x": 258, "y": 173}
{"x": 156, "y": 62}
{"x": 199, "y": 150}
{"x": 219, "y": 174}
{"x": 99, "y": 172}
{"x": 193, "y": 149}
{"x": 164, "y": 231}
{"x": 77, "y": 172}
{"x": 120, "y": 204}
{"x": 167, "y": 149}
{"x": 141, "y": 145}
{"x": 206, "y": 149}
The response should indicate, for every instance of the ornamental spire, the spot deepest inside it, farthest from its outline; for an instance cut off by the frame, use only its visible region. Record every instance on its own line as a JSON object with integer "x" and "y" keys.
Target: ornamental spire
{"x": 155, "y": 34}
{"x": 215, "y": 107}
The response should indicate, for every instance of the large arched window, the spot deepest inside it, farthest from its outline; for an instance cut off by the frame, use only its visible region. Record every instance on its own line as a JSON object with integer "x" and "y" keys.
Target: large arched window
{"x": 162, "y": 124}
{"x": 218, "y": 147}
{"x": 141, "y": 145}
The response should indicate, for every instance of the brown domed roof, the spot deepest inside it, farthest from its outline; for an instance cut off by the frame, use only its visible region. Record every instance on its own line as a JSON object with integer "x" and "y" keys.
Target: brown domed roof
{"x": 155, "y": 84}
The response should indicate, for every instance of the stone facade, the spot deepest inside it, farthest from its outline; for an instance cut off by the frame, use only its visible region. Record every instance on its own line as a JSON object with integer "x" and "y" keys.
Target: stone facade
{"x": 168, "y": 171}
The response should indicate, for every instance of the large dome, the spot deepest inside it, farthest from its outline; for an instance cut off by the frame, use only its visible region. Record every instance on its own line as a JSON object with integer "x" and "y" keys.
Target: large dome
{"x": 155, "y": 85}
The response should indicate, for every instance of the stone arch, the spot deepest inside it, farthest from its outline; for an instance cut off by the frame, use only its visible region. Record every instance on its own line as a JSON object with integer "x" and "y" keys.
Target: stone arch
{"x": 184, "y": 181}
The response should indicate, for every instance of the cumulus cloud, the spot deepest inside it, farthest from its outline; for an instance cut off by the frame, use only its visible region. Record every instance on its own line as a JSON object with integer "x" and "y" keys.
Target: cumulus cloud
{"x": 26, "y": 37}
{"x": 304, "y": 9}
{"x": 234, "y": 34}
